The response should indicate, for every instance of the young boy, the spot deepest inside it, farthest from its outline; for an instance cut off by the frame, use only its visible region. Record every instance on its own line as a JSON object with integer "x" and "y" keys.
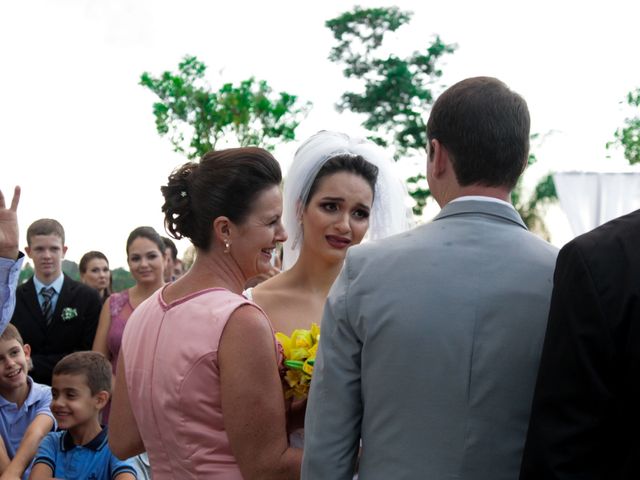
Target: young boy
{"x": 55, "y": 314}
{"x": 25, "y": 417}
{"x": 81, "y": 388}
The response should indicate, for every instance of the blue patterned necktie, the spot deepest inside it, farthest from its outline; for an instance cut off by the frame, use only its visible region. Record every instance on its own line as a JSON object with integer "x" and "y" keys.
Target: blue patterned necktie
{"x": 47, "y": 310}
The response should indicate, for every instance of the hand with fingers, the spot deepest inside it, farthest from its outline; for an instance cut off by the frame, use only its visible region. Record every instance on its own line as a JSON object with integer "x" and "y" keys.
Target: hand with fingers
{"x": 9, "y": 226}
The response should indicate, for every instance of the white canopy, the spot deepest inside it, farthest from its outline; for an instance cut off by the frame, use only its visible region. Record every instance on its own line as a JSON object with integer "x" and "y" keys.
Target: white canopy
{"x": 590, "y": 199}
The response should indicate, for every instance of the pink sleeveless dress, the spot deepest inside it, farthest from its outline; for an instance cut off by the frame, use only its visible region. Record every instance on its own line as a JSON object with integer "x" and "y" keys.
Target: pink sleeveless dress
{"x": 121, "y": 309}
{"x": 173, "y": 379}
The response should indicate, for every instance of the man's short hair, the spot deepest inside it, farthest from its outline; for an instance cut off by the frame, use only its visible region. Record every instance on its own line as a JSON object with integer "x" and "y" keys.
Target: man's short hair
{"x": 93, "y": 365}
{"x": 485, "y": 128}
{"x": 11, "y": 333}
{"x": 45, "y": 226}
{"x": 168, "y": 243}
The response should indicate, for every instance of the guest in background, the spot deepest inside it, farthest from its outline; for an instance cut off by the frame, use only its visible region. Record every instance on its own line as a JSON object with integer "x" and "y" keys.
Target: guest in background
{"x": 202, "y": 391}
{"x": 94, "y": 271}
{"x": 10, "y": 258}
{"x": 146, "y": 263}
{"x": 54, "y": 314}
{"x": 171, "y": 260}
{"x": 25, "y": 416}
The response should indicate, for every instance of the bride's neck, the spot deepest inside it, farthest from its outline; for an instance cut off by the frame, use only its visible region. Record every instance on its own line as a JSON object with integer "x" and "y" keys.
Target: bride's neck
{"x": 315, "y": 274}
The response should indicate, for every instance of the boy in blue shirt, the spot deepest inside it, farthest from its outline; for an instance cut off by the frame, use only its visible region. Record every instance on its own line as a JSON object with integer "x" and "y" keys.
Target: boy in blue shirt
{"x": 81, "y": 387}
{"x": 25, "y": 417}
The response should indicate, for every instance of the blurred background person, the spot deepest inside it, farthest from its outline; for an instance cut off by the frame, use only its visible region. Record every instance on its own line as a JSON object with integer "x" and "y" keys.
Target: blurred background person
{"x": 94, "y": 272}
{"x": 146, "y": 262}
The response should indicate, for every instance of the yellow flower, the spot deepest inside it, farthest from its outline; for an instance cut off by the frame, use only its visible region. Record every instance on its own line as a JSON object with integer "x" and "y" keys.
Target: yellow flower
{"x": 300, "y": 352}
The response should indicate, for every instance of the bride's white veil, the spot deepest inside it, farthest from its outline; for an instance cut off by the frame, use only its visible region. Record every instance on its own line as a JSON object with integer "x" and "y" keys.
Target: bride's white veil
{"x": 390, "y": 213}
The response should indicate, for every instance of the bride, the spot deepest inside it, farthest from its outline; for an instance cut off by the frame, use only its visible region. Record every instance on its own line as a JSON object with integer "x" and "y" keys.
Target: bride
{"x": 338, "y": 191}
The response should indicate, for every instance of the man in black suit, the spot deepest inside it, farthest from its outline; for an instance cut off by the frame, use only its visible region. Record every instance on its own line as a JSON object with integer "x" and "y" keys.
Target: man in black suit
{"x": 586, "y": 408}
{"x": 54, "y": 314}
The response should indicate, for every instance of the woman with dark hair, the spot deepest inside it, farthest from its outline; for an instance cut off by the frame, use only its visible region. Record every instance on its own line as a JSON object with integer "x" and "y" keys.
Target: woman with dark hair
{"x": 202, "y": 390}
{"x": 146, "y": 261}
{"x": 338, "y": 190}
{"x": 94, "y": 272}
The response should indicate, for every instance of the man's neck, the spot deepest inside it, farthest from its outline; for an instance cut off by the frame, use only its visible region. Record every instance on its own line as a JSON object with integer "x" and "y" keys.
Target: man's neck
{"x": 501, "y": 193}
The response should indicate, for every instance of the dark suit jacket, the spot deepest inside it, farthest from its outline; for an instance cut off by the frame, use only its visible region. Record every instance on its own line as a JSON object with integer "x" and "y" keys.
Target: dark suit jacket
{"x": 50, "y": 343}
{"x": 585, "y": 420}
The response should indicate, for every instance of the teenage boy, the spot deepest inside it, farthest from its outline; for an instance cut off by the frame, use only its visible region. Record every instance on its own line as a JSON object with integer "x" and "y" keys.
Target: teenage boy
{"x": 81, "y": 388}
{"x": 25, "y": 416}
{"x": 54, "y": 314}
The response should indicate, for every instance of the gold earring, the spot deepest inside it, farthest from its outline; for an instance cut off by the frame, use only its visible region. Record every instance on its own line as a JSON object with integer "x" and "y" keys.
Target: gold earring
{"x": 227, "y": 245}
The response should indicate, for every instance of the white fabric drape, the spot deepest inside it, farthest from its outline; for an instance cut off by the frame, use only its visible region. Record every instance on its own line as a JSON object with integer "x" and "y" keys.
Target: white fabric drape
{"x": 590, "y": 199}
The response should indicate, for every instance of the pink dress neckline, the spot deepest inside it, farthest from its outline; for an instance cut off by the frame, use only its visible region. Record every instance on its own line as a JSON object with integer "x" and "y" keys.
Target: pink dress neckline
{"x": 169, "y": 305}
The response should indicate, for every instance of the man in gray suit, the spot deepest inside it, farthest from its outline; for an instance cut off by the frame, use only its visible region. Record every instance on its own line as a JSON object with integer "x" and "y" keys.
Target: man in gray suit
{"x": 431, "y": 339}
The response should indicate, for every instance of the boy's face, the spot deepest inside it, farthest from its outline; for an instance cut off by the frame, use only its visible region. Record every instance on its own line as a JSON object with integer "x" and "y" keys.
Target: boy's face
{"x": 72, "y": 403}
{"x": 47, "y": 253}
{"x": 14, "y": 365}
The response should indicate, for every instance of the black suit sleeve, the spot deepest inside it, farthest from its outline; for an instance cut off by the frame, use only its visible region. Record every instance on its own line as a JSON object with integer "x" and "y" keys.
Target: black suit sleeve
{"x": 568, "y": 435}
{"x": 43, "y": 364}
{"x": 94, "y": 307}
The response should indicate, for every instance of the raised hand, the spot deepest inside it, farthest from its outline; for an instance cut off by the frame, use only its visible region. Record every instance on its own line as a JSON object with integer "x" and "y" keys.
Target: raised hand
{"x": 9, "y": 226}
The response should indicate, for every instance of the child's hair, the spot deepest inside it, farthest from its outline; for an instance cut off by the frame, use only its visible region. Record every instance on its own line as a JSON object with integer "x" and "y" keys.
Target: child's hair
{"x": 45, "y": 226}
{"x": 93, "y": 365}
{"x": 11, "y": 333}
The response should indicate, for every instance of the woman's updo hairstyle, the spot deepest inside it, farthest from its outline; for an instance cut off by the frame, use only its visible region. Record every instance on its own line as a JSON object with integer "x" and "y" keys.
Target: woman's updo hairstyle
{"x": 224, "y": 183}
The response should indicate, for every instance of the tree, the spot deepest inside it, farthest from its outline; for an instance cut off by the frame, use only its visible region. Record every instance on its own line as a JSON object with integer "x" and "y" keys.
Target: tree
{"x": 196, "y": 118}
{"x": 397, "y": 95}
{"x": 628, "y": 137}
{"x": 532, "y": 207}
{"x": 396, "y": 92}
{"x": 121, "y": 279}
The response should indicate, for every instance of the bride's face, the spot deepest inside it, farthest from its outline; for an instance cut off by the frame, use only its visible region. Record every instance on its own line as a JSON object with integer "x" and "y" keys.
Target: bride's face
{"x": 337, "y": 216}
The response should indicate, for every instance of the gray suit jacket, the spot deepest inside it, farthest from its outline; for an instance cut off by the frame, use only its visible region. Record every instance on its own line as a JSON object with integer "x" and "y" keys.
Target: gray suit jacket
{"x": 430, "y": 344}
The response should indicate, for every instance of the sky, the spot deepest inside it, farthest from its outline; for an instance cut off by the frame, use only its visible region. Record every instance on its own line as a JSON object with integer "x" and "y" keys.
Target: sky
{"x": 77, "y": 132}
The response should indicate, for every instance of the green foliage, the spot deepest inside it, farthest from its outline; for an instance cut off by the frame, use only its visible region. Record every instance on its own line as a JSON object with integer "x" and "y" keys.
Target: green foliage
{"x": 396, "y": 92}
{"x": 628, "y": 137}
{"x": 532, "y": 208}
{"x": 26, "y": 273}
{"x": 71, "y": 269}
{"x": 196, "y": 117}
{"x": 121, "y": 279}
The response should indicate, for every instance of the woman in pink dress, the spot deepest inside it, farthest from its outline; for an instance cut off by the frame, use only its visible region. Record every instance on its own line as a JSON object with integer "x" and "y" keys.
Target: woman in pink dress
{"x": 202, "y": 390}
{"x": 146, "y": 261}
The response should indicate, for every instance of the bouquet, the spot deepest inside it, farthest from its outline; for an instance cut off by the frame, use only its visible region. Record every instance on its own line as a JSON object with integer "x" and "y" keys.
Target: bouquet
{"x": 299, "y": 357}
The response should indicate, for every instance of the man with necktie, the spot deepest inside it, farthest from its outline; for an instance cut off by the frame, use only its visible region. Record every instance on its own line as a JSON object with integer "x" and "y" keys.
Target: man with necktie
{"x": 54, "y": 314}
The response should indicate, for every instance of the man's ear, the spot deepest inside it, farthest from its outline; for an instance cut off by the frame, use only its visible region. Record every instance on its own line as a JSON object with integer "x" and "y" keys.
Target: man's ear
{"x": 64, "y": 250}
{"x": 27, "y": 250}
{"x": 440, "y": 158}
